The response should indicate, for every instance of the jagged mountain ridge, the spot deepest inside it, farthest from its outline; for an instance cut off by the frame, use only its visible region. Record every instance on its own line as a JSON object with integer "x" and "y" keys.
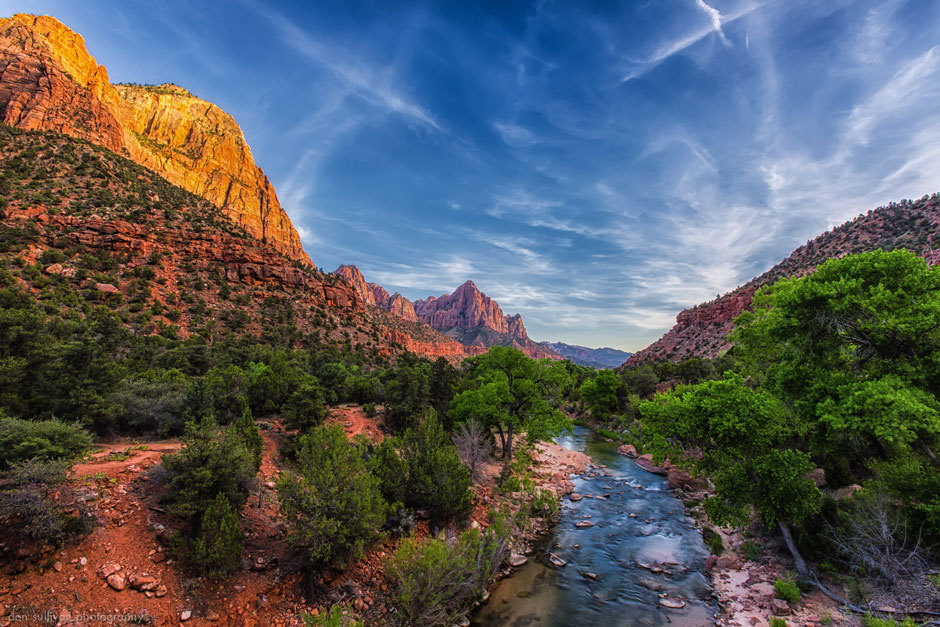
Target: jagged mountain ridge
{"x": 466, "y": 315}
{"x": 598, "y": 358}
{"x": 49, "y": 81}
{"x": 77, "y": 217}
{"x": 702, "y": 330}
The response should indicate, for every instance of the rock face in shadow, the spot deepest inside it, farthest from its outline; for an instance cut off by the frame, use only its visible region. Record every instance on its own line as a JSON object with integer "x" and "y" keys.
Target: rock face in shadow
{"x": 49, "y": 81}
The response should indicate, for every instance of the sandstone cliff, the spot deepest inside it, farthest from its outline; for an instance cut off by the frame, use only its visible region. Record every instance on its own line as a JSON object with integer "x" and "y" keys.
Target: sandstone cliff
{"x": 49, "y": 81}
{"x": 702, "y": 330}
{"x": 467, "y": 315}
{"x": 163, "y": 261}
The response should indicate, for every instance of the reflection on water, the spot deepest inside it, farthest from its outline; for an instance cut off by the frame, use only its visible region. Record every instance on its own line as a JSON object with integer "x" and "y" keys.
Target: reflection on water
{"x": 659, "y": 536}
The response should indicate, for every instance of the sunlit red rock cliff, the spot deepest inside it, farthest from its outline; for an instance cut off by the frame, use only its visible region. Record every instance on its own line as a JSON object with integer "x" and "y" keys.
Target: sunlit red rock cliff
{"x": 49, "y": 81}
{"x": 467, "y": 315}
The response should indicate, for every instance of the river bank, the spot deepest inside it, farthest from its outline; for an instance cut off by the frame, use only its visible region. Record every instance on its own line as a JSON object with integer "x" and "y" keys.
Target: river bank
{"x": 622, "y": 553}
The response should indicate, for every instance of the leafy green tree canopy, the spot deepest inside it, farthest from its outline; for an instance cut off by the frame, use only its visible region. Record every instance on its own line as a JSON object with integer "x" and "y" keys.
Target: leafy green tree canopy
{"x": 513, "y": 393}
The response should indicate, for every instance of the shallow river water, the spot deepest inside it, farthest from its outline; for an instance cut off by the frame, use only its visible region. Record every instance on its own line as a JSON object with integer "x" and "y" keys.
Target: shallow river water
{"x": 624, "y": 593}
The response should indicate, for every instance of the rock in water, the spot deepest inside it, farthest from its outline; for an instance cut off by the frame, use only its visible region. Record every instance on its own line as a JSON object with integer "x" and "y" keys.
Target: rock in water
{"x": 673, "y": 604}
{"x": 516, "y": 560}
{"x": 556, "y": 561}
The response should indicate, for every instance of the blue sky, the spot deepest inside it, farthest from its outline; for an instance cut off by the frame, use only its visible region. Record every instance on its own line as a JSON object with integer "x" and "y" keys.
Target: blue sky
{"x": 595, "y": 166}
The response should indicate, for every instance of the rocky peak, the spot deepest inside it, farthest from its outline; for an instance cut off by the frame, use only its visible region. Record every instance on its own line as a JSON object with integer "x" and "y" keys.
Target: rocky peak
{"x": 467, "y": 308}
{"x": 49, "y": 81}
{"x": 354, "y": 277}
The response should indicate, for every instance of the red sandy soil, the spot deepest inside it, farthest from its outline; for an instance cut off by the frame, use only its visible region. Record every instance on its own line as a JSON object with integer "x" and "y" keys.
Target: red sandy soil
{"x": 55, "y": 588}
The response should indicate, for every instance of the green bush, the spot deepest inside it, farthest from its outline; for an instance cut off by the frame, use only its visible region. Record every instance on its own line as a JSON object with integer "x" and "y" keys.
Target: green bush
{"x": 369, "y": 410}
{"x": 422, "y": 470}
{"x": 306, "y": 407}
{"x": 331, "y": 502}
{"x": 787, "y": 589}
{"x": 336, "y": 617}
{"x": 247, "y": 431}
{"x": 217, "y": 550}
{"x": 435, "y": 582}
{"x": 777, "y": 622}
{"x": 38, "y": 504}
{"x": 21, "y": 440}
{"x": 211, "y": 462}
{"x": 713, "y": 540}
{"x": 544, "y": 504}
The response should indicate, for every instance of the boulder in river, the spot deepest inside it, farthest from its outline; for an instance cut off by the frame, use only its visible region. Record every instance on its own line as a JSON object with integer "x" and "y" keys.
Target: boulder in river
{"x": 556, "y": 561}
{"x": 627, "y": 449}
{"x": 645, "y": 462}
{"x": 671, "y": 603}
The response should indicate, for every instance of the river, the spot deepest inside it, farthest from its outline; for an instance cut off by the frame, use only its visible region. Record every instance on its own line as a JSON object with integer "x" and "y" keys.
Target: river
{"x": 624, "y": 593}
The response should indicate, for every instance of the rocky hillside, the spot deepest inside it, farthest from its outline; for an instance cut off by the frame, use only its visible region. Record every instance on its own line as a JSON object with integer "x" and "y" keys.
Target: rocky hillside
{"x": 599, "y": 358}
{"x": 468, "y": 315}
{"x": 701, "y": 331}
{"x": 49, "y": 81}
{"x": 81, "y": 225}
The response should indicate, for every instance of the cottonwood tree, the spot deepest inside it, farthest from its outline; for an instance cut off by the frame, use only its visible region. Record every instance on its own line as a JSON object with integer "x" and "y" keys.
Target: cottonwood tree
{"x": 513, "y": 393}
{"x": 744, "y": 438}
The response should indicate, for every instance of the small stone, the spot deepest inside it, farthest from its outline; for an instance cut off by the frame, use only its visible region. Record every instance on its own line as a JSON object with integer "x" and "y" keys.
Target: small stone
{"x": 117, "y": 581}
{"x": 108, "y": 569}
{"x": 592, "y": 576}
{"x": 357, "y": 604}
{"x": 581, "y": 524}
{"x": 57, "y": 567}
{"x": 556, "y": 561}
{"x": 779, "y": 607}
{"x": 106, "y": 288}
{"x": 574, "y": 496}
{"x": 671, "y": 603}
{"x": 158, "y": 557}
{"x": 186, "y": 615}
{"x": 160, "y": 591}
{"x": 212, "y": 616}
{"x": 83, "y": 561}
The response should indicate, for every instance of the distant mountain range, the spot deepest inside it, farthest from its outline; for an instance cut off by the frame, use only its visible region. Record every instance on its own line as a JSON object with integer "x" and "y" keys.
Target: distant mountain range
{"x": 600, "y": 358}
{"x": 467, "y": 315}
{"x": 702, "y": 330}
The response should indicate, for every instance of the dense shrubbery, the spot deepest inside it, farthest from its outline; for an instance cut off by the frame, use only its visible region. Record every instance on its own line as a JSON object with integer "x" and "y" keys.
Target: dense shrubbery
{"x": 217, "y": 550}
{"x": 212, "y": 462}
{"x": 22, "y": 440}
{"x": 332, "y": 503}
{"x": 436, "y": 581}
{"x": 422, "y": 470}
{"x": 28, "y": 507}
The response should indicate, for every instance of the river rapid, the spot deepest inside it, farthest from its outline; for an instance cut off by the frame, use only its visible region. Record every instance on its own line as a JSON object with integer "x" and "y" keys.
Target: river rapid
{"x": 636, "y": 559}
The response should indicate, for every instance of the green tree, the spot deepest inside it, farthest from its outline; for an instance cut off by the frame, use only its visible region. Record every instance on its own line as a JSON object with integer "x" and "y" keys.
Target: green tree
{"x": 601, "y": 394}
{"x": 422, "y": 470}
{"x": 211, "y": 462}
{"x": 408, "y": 391}
{"x": 248, "y": 432}
{"x": 331, "y": 502}
{"x": 513, "y": 393}
{"x": 218, "y": 547}
{"x": 306, "y": 407}
{"x": 745, "y": 440}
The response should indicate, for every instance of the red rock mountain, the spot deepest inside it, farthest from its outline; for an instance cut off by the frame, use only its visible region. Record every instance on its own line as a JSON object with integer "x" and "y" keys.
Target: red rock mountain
{"x": 702, "y": 330}
{"x": 49, "y": 81}
{"x": 468, "y": 315}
